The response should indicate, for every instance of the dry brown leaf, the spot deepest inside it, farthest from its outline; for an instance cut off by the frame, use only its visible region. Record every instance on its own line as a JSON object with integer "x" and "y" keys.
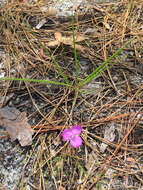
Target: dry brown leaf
{"x": 15, "y": 122}
{"x": 67, "y": 40}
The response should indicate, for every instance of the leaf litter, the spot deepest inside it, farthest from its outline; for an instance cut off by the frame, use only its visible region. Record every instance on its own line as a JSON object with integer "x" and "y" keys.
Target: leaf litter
{"x": 15, "y": 122}
{"x": 102, "y": 45}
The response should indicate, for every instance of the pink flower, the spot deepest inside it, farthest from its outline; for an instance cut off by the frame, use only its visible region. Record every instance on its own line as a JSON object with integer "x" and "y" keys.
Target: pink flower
{"x": 73, "y": 136}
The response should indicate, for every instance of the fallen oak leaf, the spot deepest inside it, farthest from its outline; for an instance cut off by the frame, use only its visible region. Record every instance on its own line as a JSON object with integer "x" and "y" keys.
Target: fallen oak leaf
{"x": 15, "y": 122}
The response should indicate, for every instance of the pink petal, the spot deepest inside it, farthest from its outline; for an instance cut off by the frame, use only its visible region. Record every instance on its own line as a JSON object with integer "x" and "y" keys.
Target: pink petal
{"x": 76, "y": 129}
{"x": 66, "y": 134}
{"x": 76, "y": 141}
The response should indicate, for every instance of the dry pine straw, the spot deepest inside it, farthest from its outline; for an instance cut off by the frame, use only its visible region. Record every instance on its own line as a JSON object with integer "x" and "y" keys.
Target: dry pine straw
{"x": 112, "y": 25}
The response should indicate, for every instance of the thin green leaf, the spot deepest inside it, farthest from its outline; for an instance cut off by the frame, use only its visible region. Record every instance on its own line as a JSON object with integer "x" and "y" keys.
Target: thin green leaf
{"x": 37, "y": 80}
{"x": 75, "y": 55}
{"x": 102, "y": 68}
{"x": 55, "y": 62}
